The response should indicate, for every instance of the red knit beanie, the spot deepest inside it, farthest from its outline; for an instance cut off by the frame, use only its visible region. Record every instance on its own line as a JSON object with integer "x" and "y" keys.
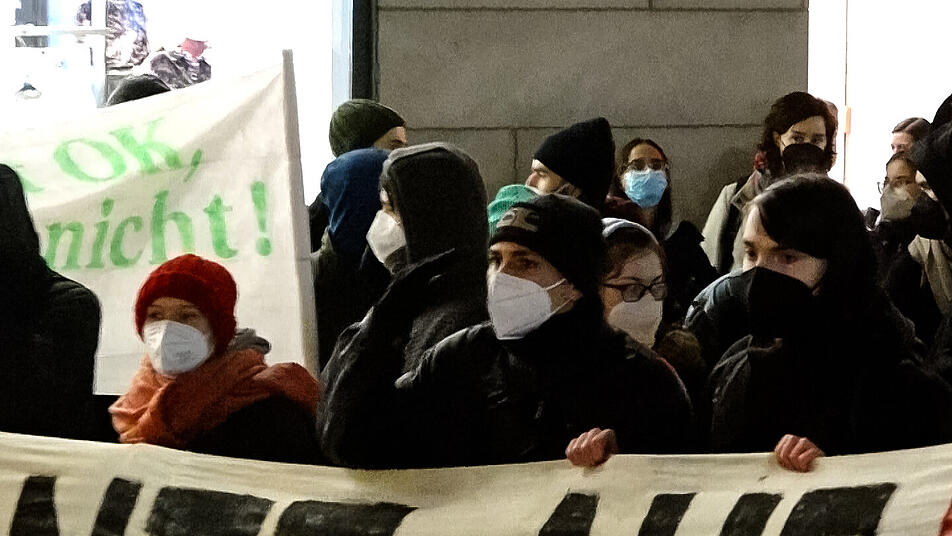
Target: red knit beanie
{"x": 204, "y": 283}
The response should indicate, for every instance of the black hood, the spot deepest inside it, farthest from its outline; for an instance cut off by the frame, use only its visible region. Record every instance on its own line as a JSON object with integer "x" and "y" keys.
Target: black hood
{"x": 23, "y": 272}
{"x": 438, "y": 192}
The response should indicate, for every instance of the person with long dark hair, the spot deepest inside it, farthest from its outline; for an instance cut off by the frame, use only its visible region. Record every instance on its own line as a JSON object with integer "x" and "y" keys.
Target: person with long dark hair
{"x": 642, "y": 193}
{"x": 830, "y": 366}
{"x": 797, "y": 120}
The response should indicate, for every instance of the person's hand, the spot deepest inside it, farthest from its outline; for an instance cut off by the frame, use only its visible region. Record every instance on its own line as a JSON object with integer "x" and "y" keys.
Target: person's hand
{"x": 797, "y": 453}
{"x": 592, "y": 448}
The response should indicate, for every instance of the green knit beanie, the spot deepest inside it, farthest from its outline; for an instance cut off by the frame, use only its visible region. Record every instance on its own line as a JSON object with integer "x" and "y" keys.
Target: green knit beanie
{"x": 507, "y": 197}
{"x": 358, "y": 123}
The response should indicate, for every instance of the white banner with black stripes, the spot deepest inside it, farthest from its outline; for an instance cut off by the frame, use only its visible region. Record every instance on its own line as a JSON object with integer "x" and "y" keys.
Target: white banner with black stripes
{"x": 52, "y": 487}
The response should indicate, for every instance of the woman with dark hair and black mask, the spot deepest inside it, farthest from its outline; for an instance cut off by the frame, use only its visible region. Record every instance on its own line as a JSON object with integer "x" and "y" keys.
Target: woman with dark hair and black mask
{"x": 798, "y": 137}
{"x": 830, "y": 365}
{"x": 641, "y": 193}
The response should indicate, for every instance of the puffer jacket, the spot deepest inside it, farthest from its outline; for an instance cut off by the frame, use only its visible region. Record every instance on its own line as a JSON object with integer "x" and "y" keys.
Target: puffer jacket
{"x": 718, "y": 316}
{"x": 475, "y": 400}
{"x": 49, "y": 331}
{"x": 850, "y": 386}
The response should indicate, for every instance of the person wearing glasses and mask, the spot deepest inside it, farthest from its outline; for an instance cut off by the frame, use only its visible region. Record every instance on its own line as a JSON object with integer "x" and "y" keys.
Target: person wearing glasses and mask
{"x": 545, "y": 378}
{"x": 576, "y": 161}
{"x": 642, "y": 193}
{"x": 634, "y": 290}
{"x": 908, "y": 237}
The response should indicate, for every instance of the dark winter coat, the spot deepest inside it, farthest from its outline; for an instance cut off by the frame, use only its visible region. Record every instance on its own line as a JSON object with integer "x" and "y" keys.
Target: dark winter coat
{"x": 289, "y": 430}
{"x": 850, "y": 386}
{"x": 475, "y": 400}
{"x": 344, "y": 290}
{"x": 718, "y": 316}
{"x": 49, "y": 331}
{"x": 934, "y": 155}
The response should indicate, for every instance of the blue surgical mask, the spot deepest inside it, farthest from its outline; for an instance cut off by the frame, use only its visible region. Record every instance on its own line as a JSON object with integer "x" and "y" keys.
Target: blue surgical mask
{"x": 645, "y": 187}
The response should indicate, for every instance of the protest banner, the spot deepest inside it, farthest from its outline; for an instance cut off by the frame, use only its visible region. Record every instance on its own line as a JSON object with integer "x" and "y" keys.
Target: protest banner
{"x": 213, "y": 169}
{"x": 52, "y": 487}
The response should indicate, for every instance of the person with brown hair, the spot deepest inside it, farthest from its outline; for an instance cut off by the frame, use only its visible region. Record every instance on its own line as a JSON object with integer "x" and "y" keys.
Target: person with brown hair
{"x": 642, "y": 193}
{"x": 634, "y": 291}
{"x": 795, "y": 120}
{"x": 907, "y": 132}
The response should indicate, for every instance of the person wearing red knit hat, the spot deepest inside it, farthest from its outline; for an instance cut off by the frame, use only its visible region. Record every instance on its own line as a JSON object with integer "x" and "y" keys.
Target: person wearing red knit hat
{"x": 194, "y": 392}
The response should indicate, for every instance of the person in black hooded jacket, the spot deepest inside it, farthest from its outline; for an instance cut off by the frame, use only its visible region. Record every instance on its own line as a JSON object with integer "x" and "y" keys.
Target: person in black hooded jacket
{"x": 433, "y": 201}
{"x": 828, "y": 366}
{"x": 543, "y": 374}
{"x": 49, "y": 331}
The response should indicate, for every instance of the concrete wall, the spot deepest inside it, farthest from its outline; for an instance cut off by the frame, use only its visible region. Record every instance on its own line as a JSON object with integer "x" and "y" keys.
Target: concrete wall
{"x": 497, "y": 76}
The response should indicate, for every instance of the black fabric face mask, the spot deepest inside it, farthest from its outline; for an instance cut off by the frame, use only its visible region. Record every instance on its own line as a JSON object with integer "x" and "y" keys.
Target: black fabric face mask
{"x": 778, "y": 305}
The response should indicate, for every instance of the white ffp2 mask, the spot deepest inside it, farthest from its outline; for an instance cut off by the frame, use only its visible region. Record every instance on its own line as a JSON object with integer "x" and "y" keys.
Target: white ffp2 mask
{"x": 518, "y": 306}
{"x": 174, "y": 348}
{"x": 385, "y": 236}
{"x": 640, "y": 319}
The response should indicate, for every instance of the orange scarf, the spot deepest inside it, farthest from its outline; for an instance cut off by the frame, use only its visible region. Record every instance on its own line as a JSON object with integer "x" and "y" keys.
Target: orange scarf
{"x": 173, "y": 411}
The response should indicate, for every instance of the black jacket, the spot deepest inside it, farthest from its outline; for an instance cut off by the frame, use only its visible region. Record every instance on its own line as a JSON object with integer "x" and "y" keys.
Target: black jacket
{"x": 344, "y": 290}
{"x": 475, "y": 400}
{"x": 849, "y": 386}
{"x": 274, "y": 429}
{"x": 934, "y": 156}
{"x": 718, "y": 316}
{"x": 49, "y": 331}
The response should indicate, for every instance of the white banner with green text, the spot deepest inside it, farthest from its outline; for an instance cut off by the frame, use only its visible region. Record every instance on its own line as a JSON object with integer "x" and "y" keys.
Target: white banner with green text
{"x": 213, "y": 169}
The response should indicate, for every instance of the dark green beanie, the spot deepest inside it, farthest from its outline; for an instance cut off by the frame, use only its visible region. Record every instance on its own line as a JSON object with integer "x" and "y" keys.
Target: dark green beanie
{"x": 358, "y": 123}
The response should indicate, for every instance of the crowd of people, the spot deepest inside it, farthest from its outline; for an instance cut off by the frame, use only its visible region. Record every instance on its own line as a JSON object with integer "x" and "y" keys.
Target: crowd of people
{"x": 570, "y": 317}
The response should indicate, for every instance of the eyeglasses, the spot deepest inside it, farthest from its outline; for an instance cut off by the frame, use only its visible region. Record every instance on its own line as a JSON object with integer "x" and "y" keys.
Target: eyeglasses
{"x": 886, "y": 182}
{"x": 880, "y": 185}
{"x": 633, "y": 292}
{"x": 641, "y": 164}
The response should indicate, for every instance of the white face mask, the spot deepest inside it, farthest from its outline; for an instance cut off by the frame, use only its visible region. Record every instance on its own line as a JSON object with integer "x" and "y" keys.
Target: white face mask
{"x": 896, "y": 203}
{"x": 385, "y": 236}
{"x": 175, "y": 348}
{"x": 518, "y": 306}
{"x": 640, "y": 319}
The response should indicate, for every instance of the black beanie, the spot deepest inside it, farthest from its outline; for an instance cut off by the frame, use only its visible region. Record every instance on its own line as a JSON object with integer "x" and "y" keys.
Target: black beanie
{"x": 584, "y": 155}
{"x": 137, "y": 87}
{"x": 564, "y": 231}
{"x": 358, "y": 123}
